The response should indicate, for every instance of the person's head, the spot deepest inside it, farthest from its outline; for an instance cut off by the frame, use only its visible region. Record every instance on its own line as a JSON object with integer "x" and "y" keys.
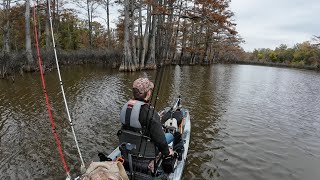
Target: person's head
{"x": 142, "y": 88}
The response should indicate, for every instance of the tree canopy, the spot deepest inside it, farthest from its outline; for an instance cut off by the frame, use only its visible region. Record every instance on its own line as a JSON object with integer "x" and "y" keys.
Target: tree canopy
{"x": 147, "y": 31}
{"x": 305, "y": 53}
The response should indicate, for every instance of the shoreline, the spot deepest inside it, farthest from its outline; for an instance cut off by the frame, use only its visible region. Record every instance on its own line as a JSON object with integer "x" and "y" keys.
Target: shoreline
{"x": 10, "y": 66}
{"x": 16, "y": 63}
{"x": 283, "y": 65}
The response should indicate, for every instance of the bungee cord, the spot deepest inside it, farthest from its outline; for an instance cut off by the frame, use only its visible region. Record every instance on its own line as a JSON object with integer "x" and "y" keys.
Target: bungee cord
{"x": 62, "y": 88}
{"x": 47, "y": 98}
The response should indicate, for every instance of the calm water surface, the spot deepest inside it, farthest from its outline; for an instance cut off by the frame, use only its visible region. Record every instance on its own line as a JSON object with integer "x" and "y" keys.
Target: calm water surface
{"x": 248, "y": 122}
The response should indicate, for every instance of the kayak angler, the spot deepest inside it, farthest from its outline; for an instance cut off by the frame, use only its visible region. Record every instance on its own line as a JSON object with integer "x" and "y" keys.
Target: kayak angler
{"x": 140, "y": 155}
{"x": 138, "y": 115}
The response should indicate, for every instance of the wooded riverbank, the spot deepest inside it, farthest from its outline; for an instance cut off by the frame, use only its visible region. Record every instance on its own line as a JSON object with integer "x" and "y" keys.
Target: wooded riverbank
{"x": 145, "y": 35}
{"x": 16, "y": 63}
{"x": 174, "y": 33}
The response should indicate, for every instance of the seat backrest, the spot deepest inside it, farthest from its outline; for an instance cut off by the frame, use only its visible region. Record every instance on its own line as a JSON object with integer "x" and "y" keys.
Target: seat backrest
{"x": 172, "y": 122}
{"x": 144, "y": 148}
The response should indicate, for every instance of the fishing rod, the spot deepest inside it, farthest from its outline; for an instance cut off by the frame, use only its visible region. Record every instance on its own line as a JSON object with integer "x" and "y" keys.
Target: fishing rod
{"x": 62, "y": 88}
{"x": 154, "y": 95}
{"x": 46, "y": 96}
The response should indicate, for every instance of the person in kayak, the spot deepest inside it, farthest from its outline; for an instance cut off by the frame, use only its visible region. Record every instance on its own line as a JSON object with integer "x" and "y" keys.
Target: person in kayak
{"x": 134, "y": 116}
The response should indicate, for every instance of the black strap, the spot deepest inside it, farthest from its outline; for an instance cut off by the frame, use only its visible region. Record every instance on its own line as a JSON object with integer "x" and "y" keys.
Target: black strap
{"x": 128, "y": 114}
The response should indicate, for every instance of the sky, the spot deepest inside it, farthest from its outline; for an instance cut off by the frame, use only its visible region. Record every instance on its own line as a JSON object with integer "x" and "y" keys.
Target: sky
{"x": 269, "y": 23}
{"x": 264, "y": 23}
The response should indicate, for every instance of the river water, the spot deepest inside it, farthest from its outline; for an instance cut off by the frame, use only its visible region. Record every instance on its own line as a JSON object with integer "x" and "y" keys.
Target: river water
{"x": 248, "y": 122}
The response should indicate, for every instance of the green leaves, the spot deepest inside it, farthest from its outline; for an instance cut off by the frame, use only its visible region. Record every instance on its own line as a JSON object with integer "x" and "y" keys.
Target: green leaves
{"x": 301, "y": 54}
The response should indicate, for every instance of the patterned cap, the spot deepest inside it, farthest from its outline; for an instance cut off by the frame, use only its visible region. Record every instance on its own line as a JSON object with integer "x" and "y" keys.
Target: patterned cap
{"x": 143, "y": 85}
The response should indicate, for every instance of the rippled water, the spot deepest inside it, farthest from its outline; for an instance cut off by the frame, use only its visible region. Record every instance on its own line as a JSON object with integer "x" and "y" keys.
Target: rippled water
{"x": 248, "y": 122}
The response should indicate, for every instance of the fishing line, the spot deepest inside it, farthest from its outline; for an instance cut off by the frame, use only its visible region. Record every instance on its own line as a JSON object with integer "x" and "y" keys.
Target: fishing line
{"x": 46, "y": 96}
{"x": 62, "y": 88}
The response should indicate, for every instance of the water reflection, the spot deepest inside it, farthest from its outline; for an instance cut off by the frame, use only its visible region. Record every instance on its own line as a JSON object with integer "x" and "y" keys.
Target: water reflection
{"x": 208, "y": 105}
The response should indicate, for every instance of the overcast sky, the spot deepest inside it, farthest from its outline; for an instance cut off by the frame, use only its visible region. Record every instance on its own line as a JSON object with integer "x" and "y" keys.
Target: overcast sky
{"x": 268, "y": 23}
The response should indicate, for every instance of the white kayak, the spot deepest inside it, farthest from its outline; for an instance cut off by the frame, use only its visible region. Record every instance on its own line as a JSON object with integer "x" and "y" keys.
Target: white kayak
{"x": 186, "y": 130}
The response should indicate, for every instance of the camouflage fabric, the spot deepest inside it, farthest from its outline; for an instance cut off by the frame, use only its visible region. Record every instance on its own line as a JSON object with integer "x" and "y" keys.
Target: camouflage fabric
{"x": 108, "y": 170}
{"x": 143, "y": 85}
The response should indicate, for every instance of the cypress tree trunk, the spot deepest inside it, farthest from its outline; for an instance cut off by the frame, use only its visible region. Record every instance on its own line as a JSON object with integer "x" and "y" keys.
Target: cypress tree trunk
{"x": 89, "y": 22}
{"x": 192, "y": 42}
{"x": 145, "y": 39}
{"x": 47, "y": 28}
{"x": 6, "y": 5}
{"x": 184, "y": 38}
{"x": 139, "y": 38}
{"x": 175, "y": 38}
{"x": 151, "y": 62}
{"x": 127, "y": 64}
{"x": 133, "y": 41}
{"x": 108, "y": 23}
{"x": 28, "y": 37}
{"x": 168, "y": 37}
{"x": 205, "y": 55}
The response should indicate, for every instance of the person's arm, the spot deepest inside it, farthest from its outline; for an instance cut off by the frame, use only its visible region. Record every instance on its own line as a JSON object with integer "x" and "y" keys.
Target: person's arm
{"x": 157, "y": 135}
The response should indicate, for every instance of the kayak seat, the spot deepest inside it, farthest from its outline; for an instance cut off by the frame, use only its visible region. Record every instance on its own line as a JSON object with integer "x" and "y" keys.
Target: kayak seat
{"x": 176, "y": 114}
{"x": 136, "y": 149}
{"x": 171, "y": 125}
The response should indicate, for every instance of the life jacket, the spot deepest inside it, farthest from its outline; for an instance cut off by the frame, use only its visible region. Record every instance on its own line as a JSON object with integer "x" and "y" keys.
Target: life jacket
{"x": 130, "y": 112}
{"x": 144, "y": 149}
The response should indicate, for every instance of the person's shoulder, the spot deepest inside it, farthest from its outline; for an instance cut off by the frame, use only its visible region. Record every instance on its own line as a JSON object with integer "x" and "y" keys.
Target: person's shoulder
{"x": 147, "y": 106}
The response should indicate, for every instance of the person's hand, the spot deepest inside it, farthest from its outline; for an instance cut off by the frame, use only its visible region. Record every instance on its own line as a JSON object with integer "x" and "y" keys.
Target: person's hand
{"x": 171, "y": 152}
